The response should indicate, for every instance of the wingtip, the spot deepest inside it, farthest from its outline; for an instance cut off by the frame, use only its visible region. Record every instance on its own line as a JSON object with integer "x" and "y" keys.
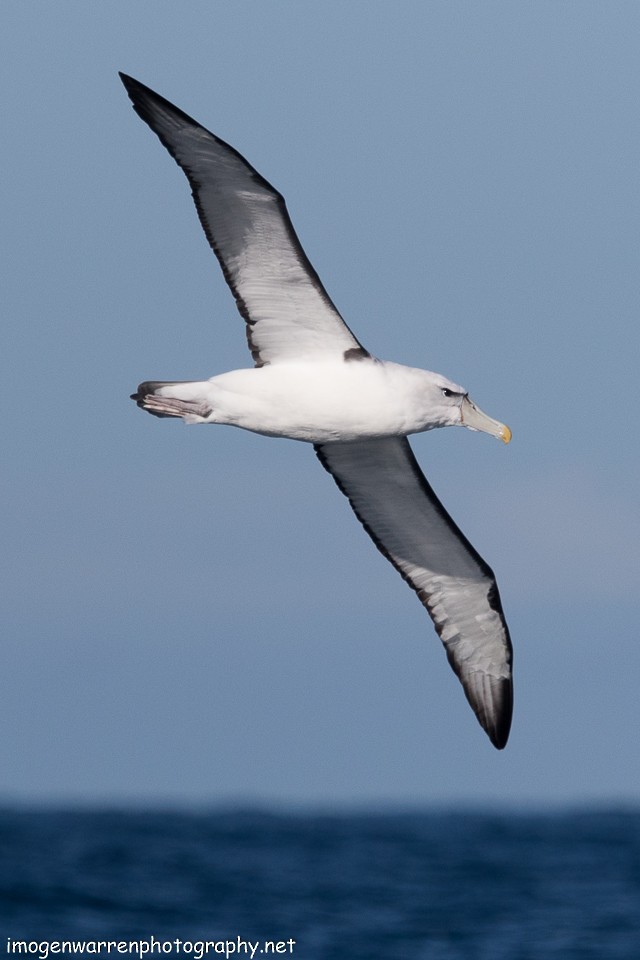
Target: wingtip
{"x": 136, "y": 91}
{"x": 499, "y": 737}
{"x": 156, "y": 111}
{"x": 492, "y": 702}
{"x": 133, "y": 87}
{"x": 126, "y": 79}
{"x": 498, "y": 725}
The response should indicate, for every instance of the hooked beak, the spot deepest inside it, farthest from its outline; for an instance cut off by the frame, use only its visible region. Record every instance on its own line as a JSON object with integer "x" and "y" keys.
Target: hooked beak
{"x": 473, "y": 418}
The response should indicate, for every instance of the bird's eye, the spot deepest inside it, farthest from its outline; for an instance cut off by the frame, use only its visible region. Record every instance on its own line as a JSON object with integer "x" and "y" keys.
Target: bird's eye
{"x": 447, "y": 393}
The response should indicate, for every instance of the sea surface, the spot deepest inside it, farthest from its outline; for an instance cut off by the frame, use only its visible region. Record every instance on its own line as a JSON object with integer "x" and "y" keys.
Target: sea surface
{"x": 342, "y": 886}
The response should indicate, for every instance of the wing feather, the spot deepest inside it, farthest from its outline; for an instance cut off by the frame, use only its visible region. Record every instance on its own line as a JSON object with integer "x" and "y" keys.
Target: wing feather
{"x": 288, "y": 312}
{"x": 399, "y": 510}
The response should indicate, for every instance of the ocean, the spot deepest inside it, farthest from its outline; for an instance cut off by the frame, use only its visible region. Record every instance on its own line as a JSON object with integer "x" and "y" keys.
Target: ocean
{"x": 340, "y": 886}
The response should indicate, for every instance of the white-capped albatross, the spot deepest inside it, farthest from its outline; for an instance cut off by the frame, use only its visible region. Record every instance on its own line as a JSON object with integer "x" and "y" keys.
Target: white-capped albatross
{"x": 314, "y": 381}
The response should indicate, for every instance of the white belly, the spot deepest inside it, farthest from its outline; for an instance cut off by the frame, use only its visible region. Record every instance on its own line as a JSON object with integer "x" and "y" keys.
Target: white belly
{"x": 319, "y": 402}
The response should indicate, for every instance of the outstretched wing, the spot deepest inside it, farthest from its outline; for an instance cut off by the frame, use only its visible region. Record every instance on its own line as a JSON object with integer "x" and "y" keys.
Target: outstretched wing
{"x": 288, "y": 312}
{"x": 397, "y": 507}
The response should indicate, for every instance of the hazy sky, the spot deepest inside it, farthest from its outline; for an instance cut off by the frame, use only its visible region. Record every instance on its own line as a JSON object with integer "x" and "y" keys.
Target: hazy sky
{"x": 193, "y": 614}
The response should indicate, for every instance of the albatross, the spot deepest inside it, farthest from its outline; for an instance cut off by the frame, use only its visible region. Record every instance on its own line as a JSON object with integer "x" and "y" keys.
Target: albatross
{"x": 313, "y": 380}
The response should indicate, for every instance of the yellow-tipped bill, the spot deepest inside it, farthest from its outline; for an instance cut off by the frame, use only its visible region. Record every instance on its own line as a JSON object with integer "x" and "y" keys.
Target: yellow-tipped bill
{"x": 505, "y": 434}
{"x": 475, "y": 419}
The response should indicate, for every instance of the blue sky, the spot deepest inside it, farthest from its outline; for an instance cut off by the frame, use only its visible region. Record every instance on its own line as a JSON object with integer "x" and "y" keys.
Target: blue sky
{"x": 193, "y": 614}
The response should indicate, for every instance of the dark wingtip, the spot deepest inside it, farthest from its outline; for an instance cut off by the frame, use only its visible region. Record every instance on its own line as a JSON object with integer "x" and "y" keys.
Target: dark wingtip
{"x": 138, "y": 93}
{"x": 499, "y": 738}
{"x": 129, "y": 82}
{"x": 498, "y": 732}
{"x": 147, "y": 103}
{"x": 135, "y": 88}
{"x": 493, "y": 706}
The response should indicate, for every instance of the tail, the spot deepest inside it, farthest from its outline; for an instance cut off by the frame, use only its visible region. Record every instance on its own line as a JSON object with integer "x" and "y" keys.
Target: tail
{"x": 174, "y": 398}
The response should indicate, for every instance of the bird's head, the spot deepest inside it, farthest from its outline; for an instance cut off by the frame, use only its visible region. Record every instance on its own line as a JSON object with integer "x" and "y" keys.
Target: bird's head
{"x": 455, "y": 408}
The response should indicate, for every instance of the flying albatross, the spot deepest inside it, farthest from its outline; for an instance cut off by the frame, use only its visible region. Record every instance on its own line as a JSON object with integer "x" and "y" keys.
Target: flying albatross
{"x": 314, "y": 381}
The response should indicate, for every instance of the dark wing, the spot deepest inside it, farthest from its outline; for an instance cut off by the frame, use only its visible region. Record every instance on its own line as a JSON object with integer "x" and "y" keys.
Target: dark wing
{"x": 288, "y": 312}
{"x": 406, "y": 521}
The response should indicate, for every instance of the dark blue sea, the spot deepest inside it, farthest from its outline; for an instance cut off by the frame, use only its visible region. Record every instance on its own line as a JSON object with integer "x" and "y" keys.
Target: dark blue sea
{"x": 343, "y": 886}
